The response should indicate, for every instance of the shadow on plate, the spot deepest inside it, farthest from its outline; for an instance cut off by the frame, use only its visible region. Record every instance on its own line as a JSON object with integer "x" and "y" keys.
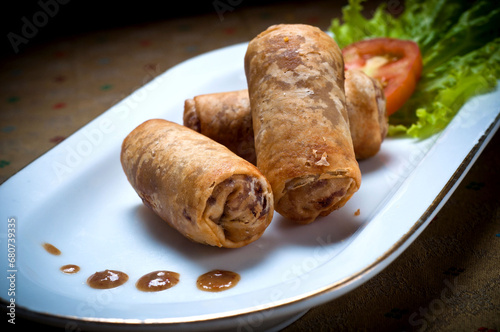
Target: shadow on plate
{"x": 329, "y": 233}
{"x": 204, "y": 255}
{"x": 337, "y": 227}
{"x": 374, "y": 163}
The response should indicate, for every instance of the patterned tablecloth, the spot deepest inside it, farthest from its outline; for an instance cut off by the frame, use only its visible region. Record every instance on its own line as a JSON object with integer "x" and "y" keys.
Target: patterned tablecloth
{"x": 447, "y": 280}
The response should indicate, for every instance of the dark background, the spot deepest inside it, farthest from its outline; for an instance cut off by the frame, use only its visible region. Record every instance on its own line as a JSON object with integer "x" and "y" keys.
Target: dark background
{"x": 74, "y": 17}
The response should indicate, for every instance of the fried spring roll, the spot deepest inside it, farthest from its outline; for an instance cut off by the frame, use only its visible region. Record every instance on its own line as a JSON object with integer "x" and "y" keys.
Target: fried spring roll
{"x": 295, "y": 76}
{"x": 197, "y": 185}
{"x": 368, "y": 119}
{"x": 226, "y": 117}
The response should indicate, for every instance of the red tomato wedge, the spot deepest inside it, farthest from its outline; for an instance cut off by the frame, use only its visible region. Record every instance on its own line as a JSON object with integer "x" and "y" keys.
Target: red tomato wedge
{"x": 396, "y": 63}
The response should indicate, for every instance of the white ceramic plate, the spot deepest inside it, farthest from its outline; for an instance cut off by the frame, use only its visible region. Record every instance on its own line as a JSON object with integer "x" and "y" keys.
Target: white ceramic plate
{"x": 77, "y": 198}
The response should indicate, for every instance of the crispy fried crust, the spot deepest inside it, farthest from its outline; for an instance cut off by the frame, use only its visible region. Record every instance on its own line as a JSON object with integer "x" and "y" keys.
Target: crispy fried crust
{"x": 295, "y": 76}
{"x": 196, "y": 185}
{"x": 225, "y": 117}
{"x": 367, "y": 114}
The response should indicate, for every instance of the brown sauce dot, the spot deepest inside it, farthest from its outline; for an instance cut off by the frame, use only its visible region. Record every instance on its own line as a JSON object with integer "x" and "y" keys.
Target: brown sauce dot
{"x": 51, "y": 249}
{"x": 157, "y": 281}
{"x": 70, "y": 269}
{"x": 217, "y": 280}
{"x": 107, "y": 279}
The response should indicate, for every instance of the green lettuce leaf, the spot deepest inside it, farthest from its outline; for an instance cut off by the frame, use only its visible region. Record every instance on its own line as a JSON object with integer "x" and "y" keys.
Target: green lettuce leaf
{"x": 460, "y": 46}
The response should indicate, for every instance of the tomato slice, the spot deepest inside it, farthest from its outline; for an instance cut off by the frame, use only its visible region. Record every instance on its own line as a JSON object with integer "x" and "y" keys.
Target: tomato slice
{"x": 396, "y": 63}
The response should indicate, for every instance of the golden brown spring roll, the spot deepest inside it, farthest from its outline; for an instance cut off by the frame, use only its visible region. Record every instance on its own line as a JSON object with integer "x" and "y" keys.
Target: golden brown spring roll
{"x": 295, "y": 77}
{"x": 226, "y": 117}
{"x": 197, "y": 185}
{"x": 368, "y": 119}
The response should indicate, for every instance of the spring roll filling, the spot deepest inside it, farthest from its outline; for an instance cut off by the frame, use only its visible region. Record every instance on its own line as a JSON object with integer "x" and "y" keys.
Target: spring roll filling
{"x": 322, "y": 195}
{"x": 237, "y": 206}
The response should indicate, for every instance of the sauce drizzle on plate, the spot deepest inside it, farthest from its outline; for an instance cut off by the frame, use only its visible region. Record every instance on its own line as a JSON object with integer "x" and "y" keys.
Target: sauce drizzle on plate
{"x": 217, "y": 280}
{"x": 157, "y": 281}
{"x": 70, "y": 269}
{"x": 107, "y": 279}
{"x": 51, "y": 249}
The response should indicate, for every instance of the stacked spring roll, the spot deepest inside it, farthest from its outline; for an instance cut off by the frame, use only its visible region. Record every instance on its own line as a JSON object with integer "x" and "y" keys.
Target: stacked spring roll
{"x": 368, "y": 120}
{"x": 198, "y": 186}
{"x": 226, "y": 117}
{"x": 295, "y": 76}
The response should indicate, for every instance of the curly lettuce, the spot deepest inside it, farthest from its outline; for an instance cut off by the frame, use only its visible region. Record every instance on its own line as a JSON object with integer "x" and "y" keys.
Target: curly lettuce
{"x": 460, "y": 45}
